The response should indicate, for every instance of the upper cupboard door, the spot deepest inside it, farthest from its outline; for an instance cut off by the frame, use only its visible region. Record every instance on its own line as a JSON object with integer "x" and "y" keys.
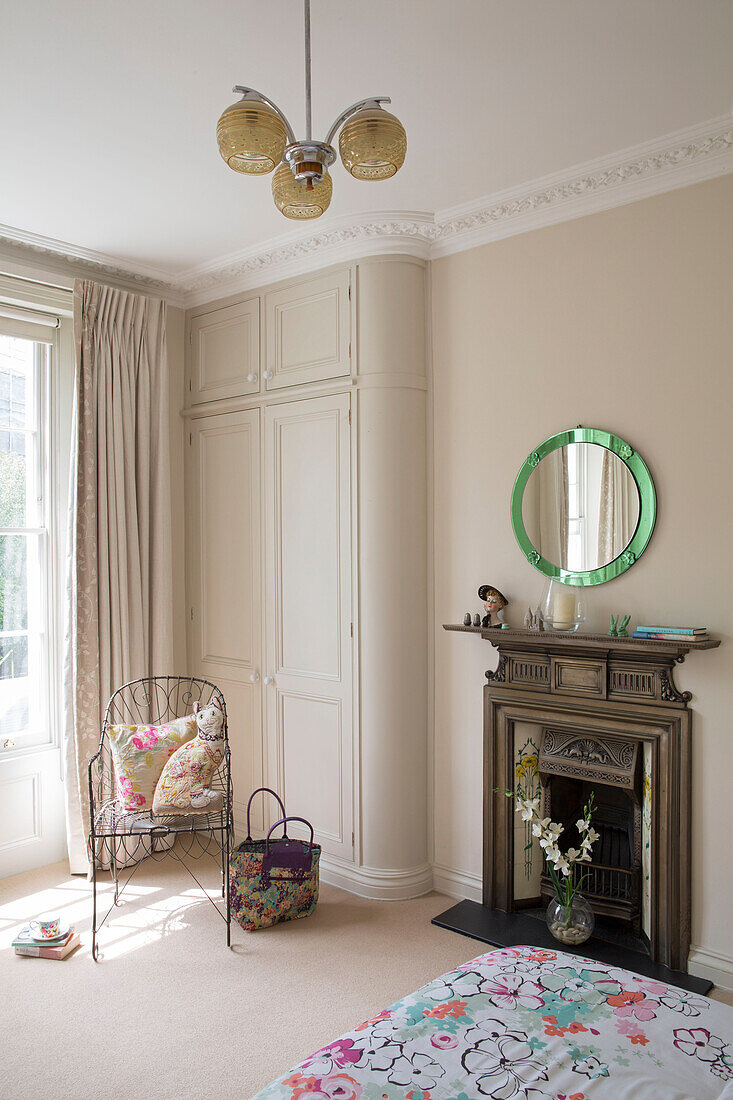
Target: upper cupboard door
{"x": 225, "y": 352}
{"x": 309, "y": 331}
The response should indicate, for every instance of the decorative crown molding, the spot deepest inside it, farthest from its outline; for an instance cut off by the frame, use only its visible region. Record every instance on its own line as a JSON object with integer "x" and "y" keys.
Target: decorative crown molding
{"x": 676, "y": 160}
{"x": 77, "y": 262}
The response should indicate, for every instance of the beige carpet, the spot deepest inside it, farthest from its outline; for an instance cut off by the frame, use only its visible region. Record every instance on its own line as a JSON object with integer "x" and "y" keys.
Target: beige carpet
{"x": 169, "y": 1013}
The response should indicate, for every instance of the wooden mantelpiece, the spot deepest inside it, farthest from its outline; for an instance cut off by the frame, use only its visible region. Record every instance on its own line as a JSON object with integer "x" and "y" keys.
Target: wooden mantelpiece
{"x": 598, "y": 665}
{"x": 606, "y": 691}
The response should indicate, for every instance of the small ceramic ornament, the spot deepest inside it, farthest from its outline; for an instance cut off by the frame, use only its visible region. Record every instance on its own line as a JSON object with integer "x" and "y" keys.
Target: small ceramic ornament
{"x": 617, "y": 628}
{"x": 494, "y": 604}
{"x": 467, "y": 619}
{"x": 477, "y": 619}
{"x": 528, "y": 619}
{"x": 184, "y": 784}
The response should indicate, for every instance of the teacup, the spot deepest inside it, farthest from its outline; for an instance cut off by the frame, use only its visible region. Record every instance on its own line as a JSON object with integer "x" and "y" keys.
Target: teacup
{"x": 46, "y": 929}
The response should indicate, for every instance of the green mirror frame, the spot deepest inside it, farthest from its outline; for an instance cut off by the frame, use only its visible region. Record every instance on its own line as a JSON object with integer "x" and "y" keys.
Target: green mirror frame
{"x": 647, "y": 507}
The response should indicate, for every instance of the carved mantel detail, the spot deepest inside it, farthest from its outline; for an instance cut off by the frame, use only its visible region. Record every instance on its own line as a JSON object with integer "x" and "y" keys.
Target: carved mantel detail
{"x": 604, "y": 759}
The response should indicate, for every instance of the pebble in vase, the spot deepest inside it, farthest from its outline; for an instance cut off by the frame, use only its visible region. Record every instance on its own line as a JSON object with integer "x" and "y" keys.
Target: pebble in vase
{"x": 571, "y": 924}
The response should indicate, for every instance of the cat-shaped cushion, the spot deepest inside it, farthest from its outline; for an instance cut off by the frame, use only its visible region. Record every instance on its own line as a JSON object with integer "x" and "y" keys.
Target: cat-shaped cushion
{"x": 184, "y": 783}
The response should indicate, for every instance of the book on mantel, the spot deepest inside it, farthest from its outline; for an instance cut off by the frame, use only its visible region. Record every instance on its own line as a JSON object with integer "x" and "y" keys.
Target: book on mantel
{"x": 672, "y": 633}
{"x": 24, "y": 944}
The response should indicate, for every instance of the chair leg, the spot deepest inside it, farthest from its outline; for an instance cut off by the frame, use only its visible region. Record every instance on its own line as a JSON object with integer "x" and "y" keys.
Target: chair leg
{"x": 228, "y": 901}
{"x": 95, "y": 948}
{"x": 115, "y": 871}
{"x": 223, "y": 858}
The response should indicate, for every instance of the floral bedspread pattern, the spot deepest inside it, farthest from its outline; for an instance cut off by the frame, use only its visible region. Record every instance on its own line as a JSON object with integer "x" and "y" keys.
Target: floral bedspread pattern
{"x": 528, "y": 1023}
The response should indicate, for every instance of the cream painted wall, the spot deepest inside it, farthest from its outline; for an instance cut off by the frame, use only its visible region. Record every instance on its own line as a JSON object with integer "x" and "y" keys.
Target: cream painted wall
{"x": 621, "y": 320}
{"x": 175, "y": 330}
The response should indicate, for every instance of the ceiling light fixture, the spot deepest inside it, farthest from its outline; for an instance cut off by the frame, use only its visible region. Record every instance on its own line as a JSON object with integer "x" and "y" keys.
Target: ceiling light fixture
{"x": 255, "y": 137}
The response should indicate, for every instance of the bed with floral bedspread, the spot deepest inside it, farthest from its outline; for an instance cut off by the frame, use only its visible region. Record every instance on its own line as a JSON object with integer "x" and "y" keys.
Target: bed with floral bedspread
{"x": 524, "y": 1022}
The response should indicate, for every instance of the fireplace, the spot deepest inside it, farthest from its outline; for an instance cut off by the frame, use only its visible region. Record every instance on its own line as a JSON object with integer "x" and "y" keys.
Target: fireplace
{"x": 573, "y": 768}
{"x": 567, "y": 714}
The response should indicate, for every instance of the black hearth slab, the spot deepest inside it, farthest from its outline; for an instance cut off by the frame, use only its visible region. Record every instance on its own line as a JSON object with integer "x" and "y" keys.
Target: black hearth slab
{"x": 469, "y": 918}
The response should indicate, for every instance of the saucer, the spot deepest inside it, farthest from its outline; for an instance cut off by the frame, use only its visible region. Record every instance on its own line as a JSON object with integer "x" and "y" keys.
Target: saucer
{"x": 62, "y": 933}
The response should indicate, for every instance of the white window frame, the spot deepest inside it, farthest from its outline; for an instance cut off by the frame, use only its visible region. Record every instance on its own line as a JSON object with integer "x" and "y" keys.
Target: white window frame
{"x": 44, "y": 314}
{"x": 41, "y": 730}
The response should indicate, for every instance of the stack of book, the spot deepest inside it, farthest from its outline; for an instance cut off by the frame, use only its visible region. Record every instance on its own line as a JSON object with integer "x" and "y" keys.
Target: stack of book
{"x": 60, "y": 948}
{"x": 672, "y": 633}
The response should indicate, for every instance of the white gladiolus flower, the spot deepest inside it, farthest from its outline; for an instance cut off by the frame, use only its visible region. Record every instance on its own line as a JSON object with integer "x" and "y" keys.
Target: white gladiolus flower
{"x": 554, "y": 854}
{"x": 561, "y": 864}
{"x": 554, "y": 828}
{"x": 592, "y": 835}
{"x": 581, "y": 825}
{"x": 527, "y": 807}
{"x": 538, "y": 829}
{"x": 573, "y": 855}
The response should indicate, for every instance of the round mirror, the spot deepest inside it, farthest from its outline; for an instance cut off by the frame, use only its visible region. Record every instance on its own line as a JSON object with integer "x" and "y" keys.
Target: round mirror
{"x": 583, "y": 506}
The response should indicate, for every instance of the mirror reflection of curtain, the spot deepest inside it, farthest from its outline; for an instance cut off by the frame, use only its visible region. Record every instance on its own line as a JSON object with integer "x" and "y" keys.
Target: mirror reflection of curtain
{"x": 614, "y": 519}
{"x": 554, "y": 507}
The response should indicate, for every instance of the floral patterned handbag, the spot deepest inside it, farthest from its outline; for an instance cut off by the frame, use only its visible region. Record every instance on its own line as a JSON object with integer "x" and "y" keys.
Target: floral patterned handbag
{"x": 273, "y": 880}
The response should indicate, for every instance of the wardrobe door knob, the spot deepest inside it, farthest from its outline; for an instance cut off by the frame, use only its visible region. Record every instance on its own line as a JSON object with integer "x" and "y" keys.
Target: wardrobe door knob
{"x": 267, "y": 375}
{"x": 251, "y": 377}
{"x": 269, "y": 680}
{"x": 254, "y": 677}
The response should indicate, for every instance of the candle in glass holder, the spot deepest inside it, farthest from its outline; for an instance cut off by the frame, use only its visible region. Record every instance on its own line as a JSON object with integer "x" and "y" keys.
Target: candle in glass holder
{"x": 563, "y": 610}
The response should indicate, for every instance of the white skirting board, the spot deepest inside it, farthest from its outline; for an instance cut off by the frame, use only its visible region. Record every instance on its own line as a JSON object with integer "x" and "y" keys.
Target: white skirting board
{"x": 708, "y": 964}
{"x": 373, "y": 882}
{"x": 457, "y": 884}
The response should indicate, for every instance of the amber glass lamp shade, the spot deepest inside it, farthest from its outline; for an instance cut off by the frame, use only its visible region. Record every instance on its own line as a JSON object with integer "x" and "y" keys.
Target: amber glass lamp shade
{"x": 251, "y": 137}
{"x": 373, "y": 144}
{"x": 295, "y": 200}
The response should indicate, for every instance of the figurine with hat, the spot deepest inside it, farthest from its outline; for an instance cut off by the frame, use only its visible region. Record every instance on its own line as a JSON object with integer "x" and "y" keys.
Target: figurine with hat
{"x": 494, "y": 604}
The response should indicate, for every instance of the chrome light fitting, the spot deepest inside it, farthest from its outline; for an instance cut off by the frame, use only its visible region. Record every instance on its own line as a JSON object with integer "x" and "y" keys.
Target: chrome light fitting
{"x": 255, "y": 137}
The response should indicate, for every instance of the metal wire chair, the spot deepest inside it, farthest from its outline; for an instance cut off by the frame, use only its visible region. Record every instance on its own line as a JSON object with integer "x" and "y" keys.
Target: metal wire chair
{"x": 119, "y": 837}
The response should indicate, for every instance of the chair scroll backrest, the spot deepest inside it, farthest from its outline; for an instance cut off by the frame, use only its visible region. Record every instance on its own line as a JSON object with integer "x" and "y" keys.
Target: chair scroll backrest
{"x": 154, "y": 700}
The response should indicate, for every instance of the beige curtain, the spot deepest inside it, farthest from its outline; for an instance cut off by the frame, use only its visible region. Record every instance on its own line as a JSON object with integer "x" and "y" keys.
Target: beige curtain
{"x": 119, "y": 625}
{"x": 554, "y": 507}
{"x": 615, "y": 517}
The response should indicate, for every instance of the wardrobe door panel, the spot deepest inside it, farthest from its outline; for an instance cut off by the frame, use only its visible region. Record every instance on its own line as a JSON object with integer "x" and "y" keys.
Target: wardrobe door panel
{"x": 225, "y": 352}
{"x": 308, "y": 331}
{"x": 225, "y": 579}
{"x": 312, "y": 751}
{"x": 308, "y": 596}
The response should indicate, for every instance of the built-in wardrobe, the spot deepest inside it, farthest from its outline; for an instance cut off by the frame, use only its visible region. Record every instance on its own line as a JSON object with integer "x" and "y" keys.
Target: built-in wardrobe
{"x": 306, "y": 518}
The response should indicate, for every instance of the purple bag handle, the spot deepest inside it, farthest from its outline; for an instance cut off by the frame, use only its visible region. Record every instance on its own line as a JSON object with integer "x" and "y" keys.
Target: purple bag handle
{"x": 267, "y": 790}
{"x": 282, "y": 822}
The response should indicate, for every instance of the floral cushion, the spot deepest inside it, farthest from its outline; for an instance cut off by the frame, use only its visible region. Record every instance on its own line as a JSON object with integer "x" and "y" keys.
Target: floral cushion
{"x": 139, "y": 754}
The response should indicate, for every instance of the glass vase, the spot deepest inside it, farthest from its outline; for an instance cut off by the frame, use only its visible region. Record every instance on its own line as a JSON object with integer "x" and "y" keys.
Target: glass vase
{"x": 570, "y": 924}
{"x": 562, "y": 607}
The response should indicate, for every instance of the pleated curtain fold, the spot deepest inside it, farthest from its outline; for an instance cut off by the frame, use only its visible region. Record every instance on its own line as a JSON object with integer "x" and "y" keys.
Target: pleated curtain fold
{"x": 120, "y": 593}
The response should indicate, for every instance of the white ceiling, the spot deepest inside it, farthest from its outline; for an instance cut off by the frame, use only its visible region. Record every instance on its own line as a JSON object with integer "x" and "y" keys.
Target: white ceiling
{"x": 109, "y": 109}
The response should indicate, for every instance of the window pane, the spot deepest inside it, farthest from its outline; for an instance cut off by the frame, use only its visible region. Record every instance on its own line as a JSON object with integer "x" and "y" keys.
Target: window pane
{"x": 16, "y": 386}
{"x": 19, "y": 504}
{"x": 13, "y": 583}
{"x": 14, "y": 485}
{"x": 21, "y": 640}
